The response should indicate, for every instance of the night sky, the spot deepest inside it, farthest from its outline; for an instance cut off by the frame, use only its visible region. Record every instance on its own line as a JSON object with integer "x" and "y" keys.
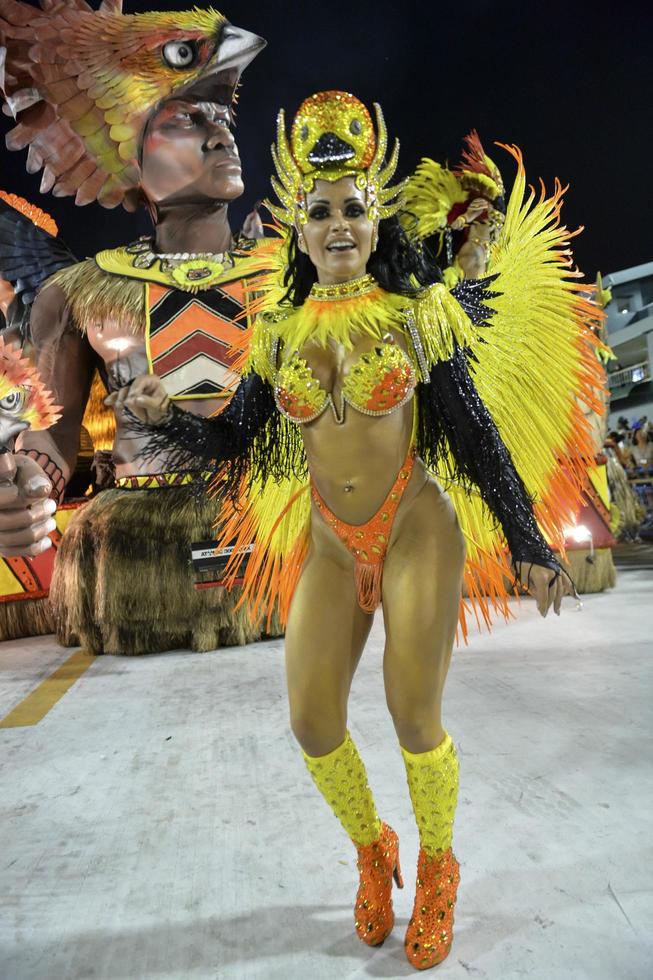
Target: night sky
{"x": 570, "y": 83}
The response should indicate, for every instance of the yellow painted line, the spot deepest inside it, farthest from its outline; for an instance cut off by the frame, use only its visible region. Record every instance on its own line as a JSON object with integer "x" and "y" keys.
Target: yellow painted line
{"x": 43, "y": 698}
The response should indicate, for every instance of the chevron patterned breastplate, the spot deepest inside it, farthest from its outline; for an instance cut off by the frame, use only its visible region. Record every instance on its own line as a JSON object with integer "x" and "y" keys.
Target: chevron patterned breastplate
{"x": 189, "y": 338}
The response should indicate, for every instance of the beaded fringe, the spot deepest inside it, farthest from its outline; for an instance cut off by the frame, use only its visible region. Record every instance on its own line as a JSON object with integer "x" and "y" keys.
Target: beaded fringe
{"x": 368, "y": 578}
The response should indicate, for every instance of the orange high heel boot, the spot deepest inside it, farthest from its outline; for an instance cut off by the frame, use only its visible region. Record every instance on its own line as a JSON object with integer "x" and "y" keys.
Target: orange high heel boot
{"x": 430, "y": 930}
{"x": 378, "y": 864}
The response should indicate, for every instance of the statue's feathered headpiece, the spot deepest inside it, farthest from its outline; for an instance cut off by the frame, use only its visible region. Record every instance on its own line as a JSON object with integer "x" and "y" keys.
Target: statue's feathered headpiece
{"x": 332, "y": 137}
{"x": 82, "y": 84}
{"x": 439, "y": 197}
{"x": 24, "y": 400}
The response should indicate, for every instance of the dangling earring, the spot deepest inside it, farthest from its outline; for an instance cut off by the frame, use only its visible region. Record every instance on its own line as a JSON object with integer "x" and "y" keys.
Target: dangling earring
{"x": 301, "y": 241}
{"x": 375, "y": 234}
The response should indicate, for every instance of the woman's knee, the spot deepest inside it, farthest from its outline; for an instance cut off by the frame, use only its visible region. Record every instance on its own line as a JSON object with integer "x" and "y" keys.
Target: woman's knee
{"x": 318, "y": 734}
{"x": 417, "y": 722}
{"x": 419, "y": 735}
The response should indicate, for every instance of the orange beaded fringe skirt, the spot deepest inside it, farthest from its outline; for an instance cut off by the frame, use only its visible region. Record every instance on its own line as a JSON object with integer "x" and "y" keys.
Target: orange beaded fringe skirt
{"x": 368, "y": 542}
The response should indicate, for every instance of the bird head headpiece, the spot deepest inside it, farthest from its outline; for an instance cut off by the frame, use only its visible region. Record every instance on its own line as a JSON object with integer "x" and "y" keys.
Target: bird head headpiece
{"x": 82, "y": 84}
{"x": 332, "y": 136}
{"x": 24, "y": 400}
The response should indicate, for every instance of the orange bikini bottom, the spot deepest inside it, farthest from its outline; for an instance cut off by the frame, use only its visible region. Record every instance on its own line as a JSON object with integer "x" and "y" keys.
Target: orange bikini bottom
{"x": 368, "y": 542}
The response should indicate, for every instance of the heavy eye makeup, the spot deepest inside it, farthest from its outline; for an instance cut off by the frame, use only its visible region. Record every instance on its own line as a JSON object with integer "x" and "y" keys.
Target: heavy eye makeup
{"x": 320, "y": 209}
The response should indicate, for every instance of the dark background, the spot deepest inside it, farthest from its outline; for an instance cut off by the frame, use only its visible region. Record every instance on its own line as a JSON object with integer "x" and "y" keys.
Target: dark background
{"x": 570, "y": 83}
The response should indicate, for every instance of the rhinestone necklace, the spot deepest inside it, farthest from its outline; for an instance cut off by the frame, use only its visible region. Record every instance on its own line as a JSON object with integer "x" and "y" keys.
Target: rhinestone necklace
{"x": 344, "y": 290}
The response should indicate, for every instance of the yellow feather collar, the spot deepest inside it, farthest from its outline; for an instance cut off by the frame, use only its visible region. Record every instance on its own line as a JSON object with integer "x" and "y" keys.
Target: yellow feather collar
{"x": 342, "y": 316}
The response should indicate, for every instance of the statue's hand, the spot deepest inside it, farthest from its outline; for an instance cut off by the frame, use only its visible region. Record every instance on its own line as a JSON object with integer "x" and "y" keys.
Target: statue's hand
{"x": 146, "y": 398}
{"x": 25, "y": 508}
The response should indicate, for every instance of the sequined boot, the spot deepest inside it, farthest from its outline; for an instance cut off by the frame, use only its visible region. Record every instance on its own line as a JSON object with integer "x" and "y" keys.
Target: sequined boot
{"x": 433, "y": 784}
{"x": 378, "y": 864}
{"x": 341, "y": 778}
{"x": 430, "y": 930}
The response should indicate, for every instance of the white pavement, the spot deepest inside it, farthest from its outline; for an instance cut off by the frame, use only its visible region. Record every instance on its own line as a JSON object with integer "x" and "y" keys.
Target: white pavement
{"x": 159, "y": 823}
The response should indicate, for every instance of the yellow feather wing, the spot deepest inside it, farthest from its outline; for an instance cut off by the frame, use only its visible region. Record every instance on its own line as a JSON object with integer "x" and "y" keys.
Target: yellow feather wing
{"x": 276, "y": 518}
{"x": 538, "y": 356}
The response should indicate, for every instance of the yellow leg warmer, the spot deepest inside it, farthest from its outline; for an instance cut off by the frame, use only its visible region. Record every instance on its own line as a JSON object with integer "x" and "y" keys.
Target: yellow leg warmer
{"x": 341, "y": 778}
{"x": 433, "y": 784}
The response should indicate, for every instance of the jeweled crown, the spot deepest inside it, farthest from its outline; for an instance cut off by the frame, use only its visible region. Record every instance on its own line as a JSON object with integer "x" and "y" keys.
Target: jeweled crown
{"x": 332, "y": 136}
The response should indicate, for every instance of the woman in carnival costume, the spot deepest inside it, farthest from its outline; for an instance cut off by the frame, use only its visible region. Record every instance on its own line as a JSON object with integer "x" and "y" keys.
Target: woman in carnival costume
{"x": 358, "y": 383}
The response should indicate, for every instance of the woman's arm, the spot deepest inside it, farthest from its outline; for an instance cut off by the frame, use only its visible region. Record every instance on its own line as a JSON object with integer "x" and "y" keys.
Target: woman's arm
{"x": 191, "y": 439}
{"x": 453, "y": 415}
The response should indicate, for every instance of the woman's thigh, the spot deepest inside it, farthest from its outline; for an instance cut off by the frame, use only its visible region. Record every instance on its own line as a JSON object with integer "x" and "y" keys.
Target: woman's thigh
{"x": 325, "y": 636}
{"x": 422, "y": 582}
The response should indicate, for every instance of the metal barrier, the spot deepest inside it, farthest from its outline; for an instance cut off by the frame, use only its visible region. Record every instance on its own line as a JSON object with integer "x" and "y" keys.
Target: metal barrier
{"x": 632, "y": 375}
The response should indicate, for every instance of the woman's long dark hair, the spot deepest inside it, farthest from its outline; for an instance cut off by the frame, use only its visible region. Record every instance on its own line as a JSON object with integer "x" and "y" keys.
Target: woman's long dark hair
{"x": 397, "y": 264}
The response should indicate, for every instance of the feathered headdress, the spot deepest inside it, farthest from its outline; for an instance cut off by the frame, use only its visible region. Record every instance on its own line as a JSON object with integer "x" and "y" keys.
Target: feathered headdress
{"x": 440, "y": 198}
{"x": 82, "y": 84}
{"x": 23, "y": 397}
{"x": 332, "y": 137}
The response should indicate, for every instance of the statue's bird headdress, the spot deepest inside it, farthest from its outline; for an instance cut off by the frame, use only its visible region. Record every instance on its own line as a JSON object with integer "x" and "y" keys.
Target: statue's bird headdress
{"x": 24, "y": 401}
{"x": 82, "y": 84}
{"x": 440, "y": 197}
{"x": 332, "y": 137}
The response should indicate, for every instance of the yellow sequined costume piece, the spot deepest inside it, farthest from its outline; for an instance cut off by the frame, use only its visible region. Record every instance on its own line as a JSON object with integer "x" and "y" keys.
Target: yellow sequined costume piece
{"x": 333, "y": 137}
{"x": 381, "y": 381}
{"x": 433, "y": 784}
{"x": 341, "y": 778}
{"x": 298, "y": 394}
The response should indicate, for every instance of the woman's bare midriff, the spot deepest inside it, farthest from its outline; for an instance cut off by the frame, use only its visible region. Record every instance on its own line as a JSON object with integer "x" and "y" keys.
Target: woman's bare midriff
{"x": 376, "y": 450}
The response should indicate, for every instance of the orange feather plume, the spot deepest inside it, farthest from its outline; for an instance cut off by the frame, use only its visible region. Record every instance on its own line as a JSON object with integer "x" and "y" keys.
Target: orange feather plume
{"x": 39, "y": 218}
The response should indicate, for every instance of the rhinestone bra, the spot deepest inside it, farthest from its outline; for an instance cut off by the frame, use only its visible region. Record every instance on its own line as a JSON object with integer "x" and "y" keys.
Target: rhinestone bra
{"x": 379, "y": 382}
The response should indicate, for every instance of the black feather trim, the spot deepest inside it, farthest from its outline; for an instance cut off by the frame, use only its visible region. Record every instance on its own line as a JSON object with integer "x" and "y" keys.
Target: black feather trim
{"x": 28, "y": 256}
{"x": 249, "y": 441}
{"x": 473, "y": 295}
{"x": 453, "y": 417}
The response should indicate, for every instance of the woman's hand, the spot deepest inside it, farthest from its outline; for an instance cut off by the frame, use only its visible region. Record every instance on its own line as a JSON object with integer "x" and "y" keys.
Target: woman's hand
{"x": 146, "y": 398}
{"x": 546, "y": 585}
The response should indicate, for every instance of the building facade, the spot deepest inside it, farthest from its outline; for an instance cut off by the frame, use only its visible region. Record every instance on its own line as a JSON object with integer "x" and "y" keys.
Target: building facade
{"x": 630, "y": 335}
